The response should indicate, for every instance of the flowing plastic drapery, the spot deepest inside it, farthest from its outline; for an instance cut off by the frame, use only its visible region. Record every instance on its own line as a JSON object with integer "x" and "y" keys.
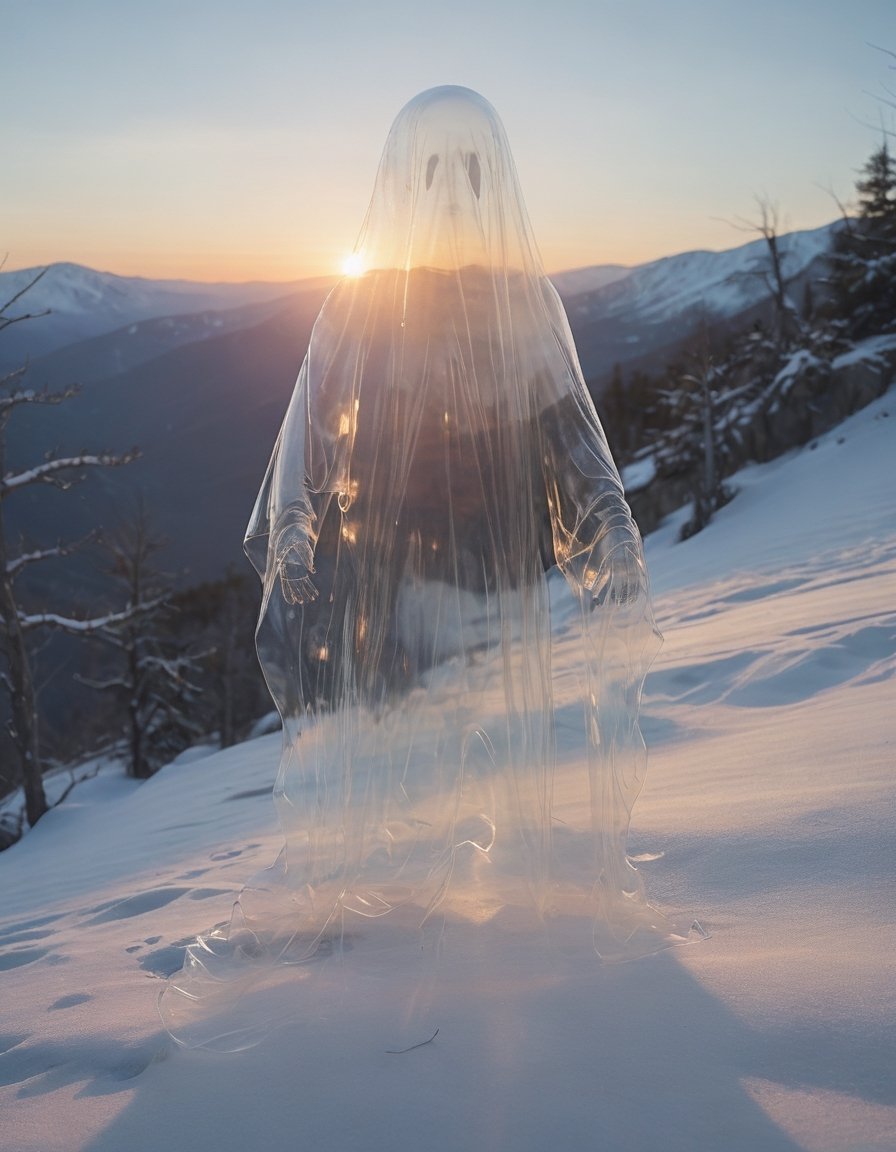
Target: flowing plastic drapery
{"x": 444, "y": 754}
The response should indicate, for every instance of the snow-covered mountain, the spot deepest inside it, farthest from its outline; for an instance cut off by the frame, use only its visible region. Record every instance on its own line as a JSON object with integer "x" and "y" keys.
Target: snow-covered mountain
{"x": 652, "y": 307}
{"x": 767, "y": 814}
{"x": 83, "y": 303}
{"x": 617, "y": 314}
{"x": 723, "y": 283}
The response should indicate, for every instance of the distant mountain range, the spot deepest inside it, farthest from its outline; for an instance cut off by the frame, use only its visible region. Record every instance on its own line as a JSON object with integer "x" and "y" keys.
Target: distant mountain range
{"x": 83, "y": 303}
{"x": 199, "y": 375}
{"x": 643, "y": 315}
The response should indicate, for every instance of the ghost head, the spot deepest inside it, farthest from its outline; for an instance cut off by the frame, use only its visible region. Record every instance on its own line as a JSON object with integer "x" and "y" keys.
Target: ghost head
{"x": 446, "y": 194}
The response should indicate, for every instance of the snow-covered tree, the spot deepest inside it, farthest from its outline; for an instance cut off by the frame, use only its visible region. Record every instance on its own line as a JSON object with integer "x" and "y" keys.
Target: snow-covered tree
{"x": 864, "y": 257}
{"x": 18, "y": 627}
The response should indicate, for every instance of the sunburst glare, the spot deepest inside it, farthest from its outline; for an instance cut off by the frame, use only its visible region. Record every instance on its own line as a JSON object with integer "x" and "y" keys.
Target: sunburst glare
{"x": 353, "y": 264}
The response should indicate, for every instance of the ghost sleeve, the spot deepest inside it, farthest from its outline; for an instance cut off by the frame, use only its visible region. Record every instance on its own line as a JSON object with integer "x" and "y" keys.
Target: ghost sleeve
{"x": 596, "y": 542}
{"x": 284, "y": 527}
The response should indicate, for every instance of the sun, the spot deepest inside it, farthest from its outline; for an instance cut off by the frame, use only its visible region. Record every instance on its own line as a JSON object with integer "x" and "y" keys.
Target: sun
{"x": 353, "y": 264}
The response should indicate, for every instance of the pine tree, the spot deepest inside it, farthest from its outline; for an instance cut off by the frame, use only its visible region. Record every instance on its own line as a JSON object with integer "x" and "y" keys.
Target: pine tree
{"x": 877, "y": 192}
{"x": 864, "y": 257}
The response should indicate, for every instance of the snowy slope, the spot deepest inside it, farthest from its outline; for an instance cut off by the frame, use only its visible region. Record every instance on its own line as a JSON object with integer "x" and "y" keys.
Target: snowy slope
{"x": 770, "y": 720}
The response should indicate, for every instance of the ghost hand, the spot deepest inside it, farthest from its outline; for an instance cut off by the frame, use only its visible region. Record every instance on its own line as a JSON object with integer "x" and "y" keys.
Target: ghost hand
{"x": 614, "y": 573}
{"x": 294, "y": 562}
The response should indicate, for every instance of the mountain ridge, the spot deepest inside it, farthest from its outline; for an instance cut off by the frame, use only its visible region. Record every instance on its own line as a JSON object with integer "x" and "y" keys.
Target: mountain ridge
{"x": 203, "y": 392}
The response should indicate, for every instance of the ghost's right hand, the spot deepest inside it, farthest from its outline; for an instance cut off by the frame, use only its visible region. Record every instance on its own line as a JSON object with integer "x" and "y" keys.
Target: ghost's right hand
{"x": 294, "y": 562}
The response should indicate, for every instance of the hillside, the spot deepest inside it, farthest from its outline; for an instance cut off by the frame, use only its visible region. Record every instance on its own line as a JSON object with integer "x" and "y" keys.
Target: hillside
{"x": 766, "y": 815}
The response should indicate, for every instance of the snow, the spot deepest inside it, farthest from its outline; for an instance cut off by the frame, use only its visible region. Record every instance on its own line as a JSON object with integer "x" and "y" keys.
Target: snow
{"x": 78, "y": 303}
{"x": 724, "y": 283}
{"x": 768, "y": 809}
{"x": 873, "y": 349}
{"x": 797, "y": 363}
{"x": 71, "y": 289}
{"x": 639, "y": 473}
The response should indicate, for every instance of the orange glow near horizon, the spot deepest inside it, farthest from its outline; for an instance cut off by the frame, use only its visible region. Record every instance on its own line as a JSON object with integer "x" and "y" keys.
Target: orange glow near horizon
{"x": 243, "y": 267}
{"x": 202, "y": 259}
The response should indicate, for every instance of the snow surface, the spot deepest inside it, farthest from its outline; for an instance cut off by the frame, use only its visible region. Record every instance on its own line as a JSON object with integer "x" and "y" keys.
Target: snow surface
{"x": 638, "y": 474}
{"x": 770, "y": 720}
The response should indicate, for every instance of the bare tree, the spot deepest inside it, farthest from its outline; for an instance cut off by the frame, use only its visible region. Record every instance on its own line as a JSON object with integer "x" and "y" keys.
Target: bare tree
{"x": 16, "y": 625}
{"x": 696, "y": 405}
{"x": 768, "y": 226}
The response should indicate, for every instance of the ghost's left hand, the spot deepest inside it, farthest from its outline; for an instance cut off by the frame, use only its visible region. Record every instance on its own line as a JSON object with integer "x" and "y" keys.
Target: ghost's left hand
{"x": 614, "y": 574}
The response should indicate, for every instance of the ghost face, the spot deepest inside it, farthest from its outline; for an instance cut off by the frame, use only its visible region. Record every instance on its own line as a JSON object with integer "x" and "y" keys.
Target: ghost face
{"x": 446, "y": 193}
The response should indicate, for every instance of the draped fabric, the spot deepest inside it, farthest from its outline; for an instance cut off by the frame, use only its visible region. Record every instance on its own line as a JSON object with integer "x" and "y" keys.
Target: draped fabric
{"x": 439, "y": 457}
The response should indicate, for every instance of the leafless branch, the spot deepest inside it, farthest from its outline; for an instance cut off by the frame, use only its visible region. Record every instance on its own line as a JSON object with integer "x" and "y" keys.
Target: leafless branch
{"x": 47, "y": 472}
{"x": 102, "y": 685}
{"x": 5, "y": 320}
{"x": 8, "y": 321}
{"x": 886, "y": 51}
{"x": 75, "y": 780}
{"x": 10, "y": 378}
{"x": 14, "y": 567}
{"x": 77, "y": 627}
{"x": 27, "y": 396}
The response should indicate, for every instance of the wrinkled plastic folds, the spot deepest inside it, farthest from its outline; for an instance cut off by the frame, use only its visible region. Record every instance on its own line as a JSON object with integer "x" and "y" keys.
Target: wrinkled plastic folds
{"x": 447, "y": 756}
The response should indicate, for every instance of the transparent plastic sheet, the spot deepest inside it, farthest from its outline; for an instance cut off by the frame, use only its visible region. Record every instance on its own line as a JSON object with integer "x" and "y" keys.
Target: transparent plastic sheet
{"x": 440, "y": 454}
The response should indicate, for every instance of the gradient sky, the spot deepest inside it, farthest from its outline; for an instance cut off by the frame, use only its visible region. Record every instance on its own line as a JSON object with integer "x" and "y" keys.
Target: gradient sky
{"x": 231, "y": 141}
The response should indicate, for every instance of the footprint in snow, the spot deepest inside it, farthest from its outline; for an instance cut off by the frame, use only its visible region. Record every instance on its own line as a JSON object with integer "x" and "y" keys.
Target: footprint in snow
{"x": 34, "y": 922}
{"x": 70, "y": 1001}
{"x": 19, "y": 957}
{"x": 165, "y": 961}
{"x": 137, "y": 905}
{"x": 233, "y": 852}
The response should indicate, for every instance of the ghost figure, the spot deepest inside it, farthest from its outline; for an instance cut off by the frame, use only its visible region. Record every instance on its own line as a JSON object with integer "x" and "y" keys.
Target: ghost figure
{"x": 439, "y": 456}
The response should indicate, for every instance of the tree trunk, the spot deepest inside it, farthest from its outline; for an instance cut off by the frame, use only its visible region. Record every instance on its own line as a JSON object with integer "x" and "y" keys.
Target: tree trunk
{"x": 24, "y": 707}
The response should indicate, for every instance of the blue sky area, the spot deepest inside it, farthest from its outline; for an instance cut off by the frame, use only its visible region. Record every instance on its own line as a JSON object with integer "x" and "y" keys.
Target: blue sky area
{"x": 235, "y": 141}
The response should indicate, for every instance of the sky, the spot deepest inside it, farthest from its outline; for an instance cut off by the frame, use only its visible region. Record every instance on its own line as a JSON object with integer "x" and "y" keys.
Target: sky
{"x": 237, "y": 141}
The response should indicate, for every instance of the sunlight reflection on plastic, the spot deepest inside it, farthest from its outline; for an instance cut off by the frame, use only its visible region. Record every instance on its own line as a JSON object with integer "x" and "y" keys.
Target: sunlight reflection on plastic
{"x": 447, "y": 761}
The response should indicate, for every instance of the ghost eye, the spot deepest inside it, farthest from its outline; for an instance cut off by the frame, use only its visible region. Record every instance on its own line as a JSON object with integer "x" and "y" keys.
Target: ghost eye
{"x": 431, "y": 166}
{"x": 474, "y": 171}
